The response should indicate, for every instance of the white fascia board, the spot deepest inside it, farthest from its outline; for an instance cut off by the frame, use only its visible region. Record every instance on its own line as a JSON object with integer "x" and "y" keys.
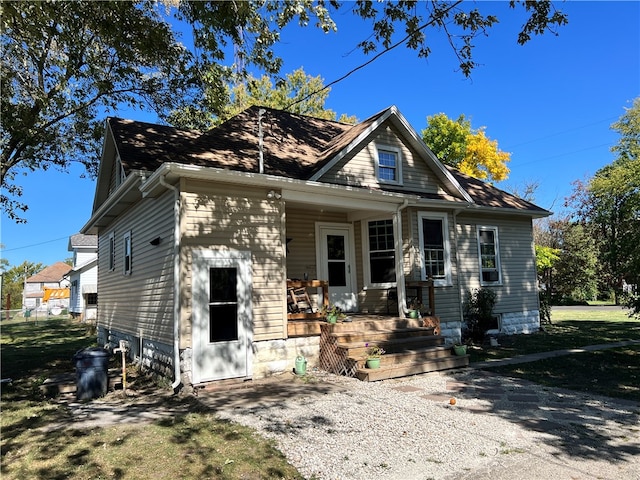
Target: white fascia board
{"x": 417, "y": 142}
{"x": 128, "y": 186}
{"x": 304, "y": 191}
{"x": 353, "y": 144}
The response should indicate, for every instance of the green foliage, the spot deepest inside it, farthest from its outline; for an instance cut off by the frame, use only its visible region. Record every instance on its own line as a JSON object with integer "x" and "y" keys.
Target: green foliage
{"x": 67, "y": 64}
{"x": 295, "y": 94}
{"x": 609, "y": 206}
{"x": 64, "y": 63}
{"x": 478, "y": 312}
{"x": 546, "y": 257}
{"x": 456, "y": 144}
{"x": 13, "y": 282}
{"x": 576, "y": 269}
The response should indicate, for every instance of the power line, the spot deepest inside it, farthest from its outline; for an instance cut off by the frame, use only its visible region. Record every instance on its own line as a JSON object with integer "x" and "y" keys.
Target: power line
{"x": 34, "y": 245}
{"x": 375, "y": 57}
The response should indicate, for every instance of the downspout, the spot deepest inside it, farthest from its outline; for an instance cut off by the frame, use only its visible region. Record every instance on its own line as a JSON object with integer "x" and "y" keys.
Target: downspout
{"x": 400, "y": 285}
{"x": 460, "y": 294}
{"x": 176, "y": 282}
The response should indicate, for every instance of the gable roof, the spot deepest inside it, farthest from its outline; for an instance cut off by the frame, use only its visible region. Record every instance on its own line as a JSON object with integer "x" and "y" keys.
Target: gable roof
{"x": 51, "y": 274}
{"x": 293, "y": 146}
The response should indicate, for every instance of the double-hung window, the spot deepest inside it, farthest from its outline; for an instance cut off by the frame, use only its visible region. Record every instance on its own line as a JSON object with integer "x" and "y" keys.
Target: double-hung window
{"x": 126, "y": 251}
{"x": 389, "y": 166}
{"x": 381, "y": 250}
{"x": 489, "y": 255}
{"x": 434, "y": 247}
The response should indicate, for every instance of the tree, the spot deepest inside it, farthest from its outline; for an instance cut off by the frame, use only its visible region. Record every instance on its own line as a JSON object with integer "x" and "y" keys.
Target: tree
{"x": 13, "y": 282}
{"x": 66, "y": 65}
{"x": 456, "y": 144}
{"x": 609, "y": 205}
{"x": 291, "y": 95}
{"x": 576, "y": 269}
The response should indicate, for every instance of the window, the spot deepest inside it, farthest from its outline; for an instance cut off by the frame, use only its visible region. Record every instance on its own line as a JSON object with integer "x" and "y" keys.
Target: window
{"x": 434, "y": 246}
{"x": 126, "y": 250}
{"x": 92, "y": 299}
{"x": 488, "y": 253}
{"x": 382, "y": 258}
{"x": 112, "y": 251}
{"x": 389, "y": 164}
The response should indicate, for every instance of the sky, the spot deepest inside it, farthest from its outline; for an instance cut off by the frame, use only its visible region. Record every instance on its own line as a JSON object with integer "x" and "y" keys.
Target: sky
{"x": 550, "y": 103}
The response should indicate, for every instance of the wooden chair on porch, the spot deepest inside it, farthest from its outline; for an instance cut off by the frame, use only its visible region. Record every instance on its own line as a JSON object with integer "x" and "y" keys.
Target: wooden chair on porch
{"x": 298, "y": 301}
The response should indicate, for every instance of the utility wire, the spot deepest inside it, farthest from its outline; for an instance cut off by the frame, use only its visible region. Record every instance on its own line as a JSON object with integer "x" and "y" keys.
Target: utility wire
{"x": 35, "y": 244}
{"x": 375, "y": 57}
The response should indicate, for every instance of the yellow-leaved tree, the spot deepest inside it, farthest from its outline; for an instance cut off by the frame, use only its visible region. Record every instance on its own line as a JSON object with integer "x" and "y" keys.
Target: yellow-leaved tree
{"x": 456, "y": 144}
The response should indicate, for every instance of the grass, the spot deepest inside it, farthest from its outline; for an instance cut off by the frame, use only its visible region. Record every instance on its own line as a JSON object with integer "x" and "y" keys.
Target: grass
{"x": 614, "y": 372}
{"x": 191, "y": 445}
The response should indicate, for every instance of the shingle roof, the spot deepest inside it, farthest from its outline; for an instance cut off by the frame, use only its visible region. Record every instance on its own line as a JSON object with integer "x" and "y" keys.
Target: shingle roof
{"x": 294, "y": 146}
{"x": 81, "y": 240}
{"x": 50, "y": 274}
{"x": 489, "y": 196}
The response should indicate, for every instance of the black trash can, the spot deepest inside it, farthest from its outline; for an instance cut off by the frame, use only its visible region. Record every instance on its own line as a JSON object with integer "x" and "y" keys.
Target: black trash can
{"x": 92, "y": 379}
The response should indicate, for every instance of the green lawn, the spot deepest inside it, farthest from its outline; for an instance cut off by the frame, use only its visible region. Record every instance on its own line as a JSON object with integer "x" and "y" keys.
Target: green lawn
{"x": 192, "y": 445}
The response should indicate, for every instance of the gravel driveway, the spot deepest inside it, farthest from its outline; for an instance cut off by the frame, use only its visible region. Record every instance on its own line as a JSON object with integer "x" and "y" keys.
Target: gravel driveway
{"x": 499, "y": 428}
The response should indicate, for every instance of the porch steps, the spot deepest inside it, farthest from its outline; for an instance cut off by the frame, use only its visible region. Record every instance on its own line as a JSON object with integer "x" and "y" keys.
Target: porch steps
{"x": 396, "y": 370}
{"x": 410, "y": 347}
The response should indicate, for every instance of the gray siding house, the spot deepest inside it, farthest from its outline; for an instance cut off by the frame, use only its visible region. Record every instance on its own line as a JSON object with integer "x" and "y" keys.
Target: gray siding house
{"x": 202, "y": 237}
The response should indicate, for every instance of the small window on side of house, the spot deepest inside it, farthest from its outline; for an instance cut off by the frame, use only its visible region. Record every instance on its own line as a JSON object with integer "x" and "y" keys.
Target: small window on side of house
{"x": 489, "y": 255}
{"x": 126, "y": 251}
{"x": 112, "y": 252}
{"x": 434, "y": 247}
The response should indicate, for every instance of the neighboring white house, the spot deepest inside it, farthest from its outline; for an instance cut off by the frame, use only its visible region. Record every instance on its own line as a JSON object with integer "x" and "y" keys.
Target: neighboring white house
{"x": 83, "y": 277}
{"x": 47, "y": 289}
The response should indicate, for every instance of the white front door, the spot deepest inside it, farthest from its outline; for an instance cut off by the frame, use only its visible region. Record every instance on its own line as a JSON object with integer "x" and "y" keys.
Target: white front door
{"x": 221, "y": 316}
{"x": 336, "y": 264}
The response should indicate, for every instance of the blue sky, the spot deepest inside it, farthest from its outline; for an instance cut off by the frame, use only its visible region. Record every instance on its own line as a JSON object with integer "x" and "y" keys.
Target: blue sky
{"x": 550, "y": 103}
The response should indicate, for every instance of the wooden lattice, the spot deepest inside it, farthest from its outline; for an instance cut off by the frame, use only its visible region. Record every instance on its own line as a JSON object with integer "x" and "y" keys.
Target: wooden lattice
{"x": 333, "y": 358}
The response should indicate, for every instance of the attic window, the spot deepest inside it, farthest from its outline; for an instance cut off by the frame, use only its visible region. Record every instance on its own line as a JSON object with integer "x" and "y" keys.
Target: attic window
{"x": 389, "y": 164}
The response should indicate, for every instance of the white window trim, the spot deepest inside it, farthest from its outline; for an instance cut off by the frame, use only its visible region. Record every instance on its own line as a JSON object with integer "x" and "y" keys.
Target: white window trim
{"x": 447, "y": 280}
{"x": 494, "y": 229}
{"x": 126, "y": 237}
{"x": 366, "y": 270}
{"x": 398, "y": 152}
{"x": 112, "y": 252}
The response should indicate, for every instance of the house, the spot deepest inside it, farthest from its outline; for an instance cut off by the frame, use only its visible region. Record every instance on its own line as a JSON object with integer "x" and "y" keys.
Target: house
{"x": 83, "y": 277}
{"x": 48, "y": 289}
{"x": 202, "y": 236}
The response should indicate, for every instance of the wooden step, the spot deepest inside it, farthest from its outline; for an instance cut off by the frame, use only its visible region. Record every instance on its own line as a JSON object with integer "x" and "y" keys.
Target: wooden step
{"x": 405, "y": 369}
{"x": 393, "y": 345}
{"x": 380, "y": 336}
{"x": 414, "y": 355}
{"x": 382, "y": 323}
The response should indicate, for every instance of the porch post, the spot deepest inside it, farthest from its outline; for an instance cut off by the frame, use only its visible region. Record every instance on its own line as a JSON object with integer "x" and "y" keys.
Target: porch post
{"x": 397, "y": 233}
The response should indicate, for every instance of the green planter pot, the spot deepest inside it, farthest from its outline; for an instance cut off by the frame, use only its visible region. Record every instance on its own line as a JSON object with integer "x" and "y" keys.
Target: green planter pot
{"x": 332, "y": 318}
{"x": 373, "y": 362}
{"x": 460, "y": 350}
{"x": 413, "y": 314}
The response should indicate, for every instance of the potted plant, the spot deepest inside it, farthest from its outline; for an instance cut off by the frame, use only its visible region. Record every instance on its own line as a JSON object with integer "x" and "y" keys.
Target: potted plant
{"x": 414, "y": 310}
{"x": 373, "y": 352}
{"x": 460, "y": 349}
{"x": 332, "y": 313}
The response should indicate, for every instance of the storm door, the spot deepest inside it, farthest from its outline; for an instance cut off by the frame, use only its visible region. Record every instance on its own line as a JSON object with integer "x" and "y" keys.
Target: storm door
{"x": 221, "y": 315}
